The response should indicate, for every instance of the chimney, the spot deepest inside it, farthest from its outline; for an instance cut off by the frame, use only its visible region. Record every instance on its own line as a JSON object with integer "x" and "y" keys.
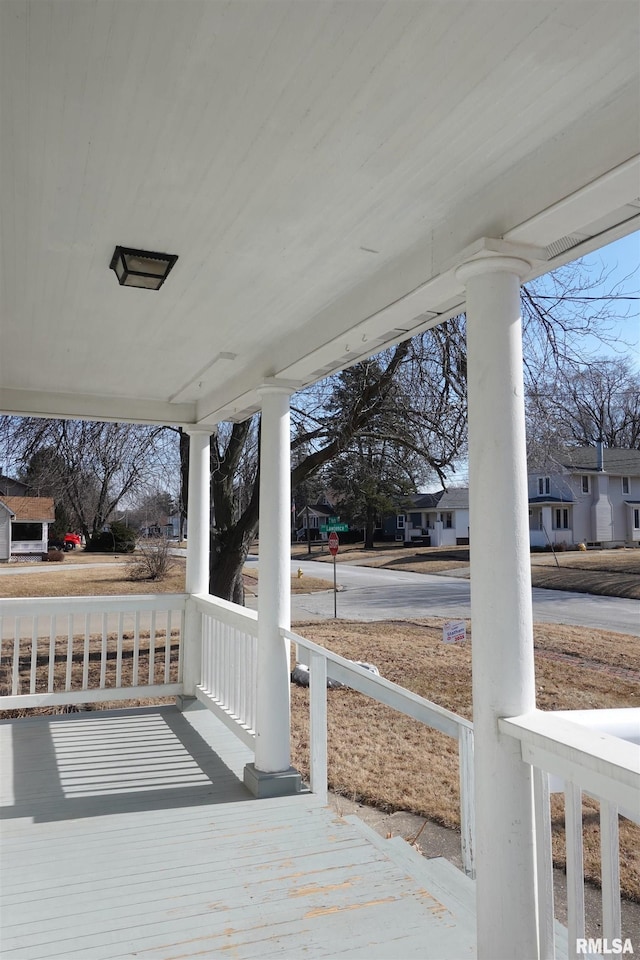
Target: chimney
{"x": 600, "y": 456}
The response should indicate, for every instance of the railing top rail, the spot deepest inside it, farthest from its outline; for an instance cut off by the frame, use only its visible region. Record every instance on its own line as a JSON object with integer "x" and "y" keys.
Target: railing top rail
{"x": 29, "y": 606}
{"x": 385, "y": 691}
{"x": 230, "y": 613}
{"x": 599, "y": 763}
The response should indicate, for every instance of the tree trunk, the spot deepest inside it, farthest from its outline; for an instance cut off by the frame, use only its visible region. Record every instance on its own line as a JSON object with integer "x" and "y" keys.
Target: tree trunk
{"x": 369, "y": 528}
{"x": 229, "y": 551}
{"x": 231, "y": 539}
{"x": 184, "y": 481}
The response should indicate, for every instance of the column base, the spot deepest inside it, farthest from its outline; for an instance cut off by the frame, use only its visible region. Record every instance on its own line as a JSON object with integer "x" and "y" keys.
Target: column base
{"x": 284, "y": 783}
{"x": 183, "y": 702}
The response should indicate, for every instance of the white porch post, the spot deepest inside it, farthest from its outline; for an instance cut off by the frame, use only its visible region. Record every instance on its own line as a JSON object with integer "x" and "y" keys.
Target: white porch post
{"x": 197, "y": 572}
{"x": 501, "y": 609}
{"x": 272, "y": 774}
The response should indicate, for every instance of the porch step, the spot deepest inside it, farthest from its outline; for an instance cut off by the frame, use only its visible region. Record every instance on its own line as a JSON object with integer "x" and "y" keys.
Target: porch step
{"x": 449, "y": 885}
{"x": 446, "y": 882}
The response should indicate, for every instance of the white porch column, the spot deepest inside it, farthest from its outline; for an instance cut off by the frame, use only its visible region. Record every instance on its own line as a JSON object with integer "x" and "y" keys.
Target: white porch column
{"x": 197, "y": 572}
{"x": 272, "y": 774}
{"x": 501, "y": 608}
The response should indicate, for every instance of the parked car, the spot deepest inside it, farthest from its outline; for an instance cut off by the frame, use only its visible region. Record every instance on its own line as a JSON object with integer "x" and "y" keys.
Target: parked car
{"x": 69, "y": 542}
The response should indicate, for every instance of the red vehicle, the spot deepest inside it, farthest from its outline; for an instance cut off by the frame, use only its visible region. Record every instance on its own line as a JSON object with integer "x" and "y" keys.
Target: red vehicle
{"x": 71, "y": 541}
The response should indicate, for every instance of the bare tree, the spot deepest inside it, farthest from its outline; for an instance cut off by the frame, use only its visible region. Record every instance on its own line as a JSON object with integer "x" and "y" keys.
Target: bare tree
{"x": 87, "y": 466}
{"x": 597, "y": 402}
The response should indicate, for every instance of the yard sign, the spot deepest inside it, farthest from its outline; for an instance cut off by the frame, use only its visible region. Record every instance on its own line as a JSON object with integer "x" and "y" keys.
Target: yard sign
{"x": 454, "y": 632}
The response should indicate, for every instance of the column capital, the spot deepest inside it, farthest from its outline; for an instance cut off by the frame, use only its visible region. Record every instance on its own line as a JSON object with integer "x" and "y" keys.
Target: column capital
{"x": 199, "y": 430}
{"x": 272, "y": 386}
{"x": 492, "y": 264}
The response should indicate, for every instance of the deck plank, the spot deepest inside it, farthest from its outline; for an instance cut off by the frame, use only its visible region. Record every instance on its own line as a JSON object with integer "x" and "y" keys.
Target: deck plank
{"x": 130, "y": 833}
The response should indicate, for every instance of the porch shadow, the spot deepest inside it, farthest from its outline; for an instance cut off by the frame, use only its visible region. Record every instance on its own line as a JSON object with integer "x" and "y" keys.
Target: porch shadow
{"x": 110, "y": 762}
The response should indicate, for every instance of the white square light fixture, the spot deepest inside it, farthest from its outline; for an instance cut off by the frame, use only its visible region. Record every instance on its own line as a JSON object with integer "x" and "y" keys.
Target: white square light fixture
{"x": 141, "y": 268}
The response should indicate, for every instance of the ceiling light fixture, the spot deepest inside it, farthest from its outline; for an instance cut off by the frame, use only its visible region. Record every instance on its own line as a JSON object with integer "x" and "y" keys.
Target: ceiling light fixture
{"x": 141, "y": 268}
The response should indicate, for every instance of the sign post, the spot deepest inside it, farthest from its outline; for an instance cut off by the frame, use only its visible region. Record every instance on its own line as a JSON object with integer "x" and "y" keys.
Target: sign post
{"x": 334, "y": 545}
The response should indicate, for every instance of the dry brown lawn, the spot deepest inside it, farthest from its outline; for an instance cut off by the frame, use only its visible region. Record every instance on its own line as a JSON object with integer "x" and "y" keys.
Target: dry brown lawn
{"x": 379, "y": 757}
{"x": 111, "y": 578}
{"x": 56, "y": 580}
{"x": 611, "y": 573}
{"x": 299, "y": 583}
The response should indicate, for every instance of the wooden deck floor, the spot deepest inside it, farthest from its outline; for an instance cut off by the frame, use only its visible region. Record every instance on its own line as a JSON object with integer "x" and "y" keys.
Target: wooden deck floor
{"x": 130, "y": 834}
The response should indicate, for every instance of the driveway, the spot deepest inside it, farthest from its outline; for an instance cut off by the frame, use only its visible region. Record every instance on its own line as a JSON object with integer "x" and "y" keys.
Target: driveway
{"x": 368, "y": 593}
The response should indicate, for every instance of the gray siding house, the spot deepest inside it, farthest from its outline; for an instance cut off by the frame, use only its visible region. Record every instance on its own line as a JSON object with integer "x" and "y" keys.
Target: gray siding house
{"x": 438, "y": 519}
{"x": 587, "y": 495}
{"x": 27, "y": 520}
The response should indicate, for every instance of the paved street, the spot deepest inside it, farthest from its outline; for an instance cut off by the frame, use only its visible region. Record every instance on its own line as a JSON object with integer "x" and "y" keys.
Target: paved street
{"x": 368, "y": 593}
{"x": 373, "y": 594}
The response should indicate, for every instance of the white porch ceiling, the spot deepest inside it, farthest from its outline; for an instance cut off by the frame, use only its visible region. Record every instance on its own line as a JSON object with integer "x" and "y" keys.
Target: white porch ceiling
{"x": 318, "y": 168}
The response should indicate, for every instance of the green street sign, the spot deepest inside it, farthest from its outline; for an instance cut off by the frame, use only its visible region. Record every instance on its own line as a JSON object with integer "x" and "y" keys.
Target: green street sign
{"x": 333, "y": 519}
{"x": 337, "y": 527}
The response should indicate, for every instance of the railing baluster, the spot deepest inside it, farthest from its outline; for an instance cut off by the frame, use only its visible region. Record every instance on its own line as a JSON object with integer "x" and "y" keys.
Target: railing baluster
{"x": 226, "y": 676}
{"x": 152, "y": 647}
{"x": 34, "y": 655}
{"x": 15, "y": 675}
{"x": 244, "y": 667}
{"x": 136, "y": 650}
{"x": 167, "y": 648}
{"x": 254, "y": 680}
{"x": 610, "y": 870}
{"x": 119, "y": 646}
{"x": 85, "y": 652}
{"x": 208, "y": 652}
{"x": 237, "y": 668}
{"x": 52, "y": 653}
{"x": 103, "y": 652}
{"x": 546, "y": 908}
{"x": 218, "y": 634}
{"x": 180, "y": 645}
{"x": 575, "y": 866}
{"x": 252, "y": 653}
{"x": 67, "y": 678}
{"x": 467, "y": 799}
{"x": 318, "y": 725}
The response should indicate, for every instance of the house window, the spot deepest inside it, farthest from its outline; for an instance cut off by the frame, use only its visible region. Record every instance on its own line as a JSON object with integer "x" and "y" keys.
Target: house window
{"x": 400, "y": 521}
{"x": 626, "y": 485}
{"x": 26, "y": 531}
{"x": 544, "y": 486}
{"x": 562, "y": 519}
{"x": 636, "y": 519}
{"x": 586, "y": 483}
{"x": 448, "y": 520}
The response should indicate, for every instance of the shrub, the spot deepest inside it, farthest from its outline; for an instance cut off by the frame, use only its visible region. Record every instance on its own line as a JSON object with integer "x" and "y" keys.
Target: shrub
{"x": 152, "y": 562}
{"x": 117, "y": 539}
{"x": 53, "y": 556}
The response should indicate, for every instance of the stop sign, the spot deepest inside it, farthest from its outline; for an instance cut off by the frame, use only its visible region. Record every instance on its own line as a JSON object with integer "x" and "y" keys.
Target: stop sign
{"x": 334, "y": 543}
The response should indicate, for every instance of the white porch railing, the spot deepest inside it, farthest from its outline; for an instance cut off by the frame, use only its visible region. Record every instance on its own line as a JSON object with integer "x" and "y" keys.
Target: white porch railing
{"x": 228, "y": 687}
{"x": 324, "y": 663}
{"x": 229, "y": 664}
{"x": 602, "y": 766}
{"x": 68, "y": 650}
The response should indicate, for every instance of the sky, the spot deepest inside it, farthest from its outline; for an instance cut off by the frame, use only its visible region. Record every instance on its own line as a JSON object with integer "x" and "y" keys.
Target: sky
{"x": 621, "y": 260}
